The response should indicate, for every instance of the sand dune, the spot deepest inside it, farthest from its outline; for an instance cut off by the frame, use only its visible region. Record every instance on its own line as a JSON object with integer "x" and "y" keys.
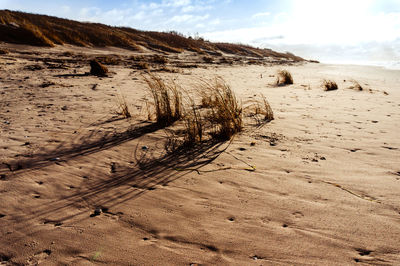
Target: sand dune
{"x": 81, "y": 185}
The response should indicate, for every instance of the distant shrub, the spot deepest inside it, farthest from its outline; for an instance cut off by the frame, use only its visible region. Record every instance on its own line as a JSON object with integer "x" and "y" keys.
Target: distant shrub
{"x": 3, "y": 51}
{"x": 225, "y": 60}
{"x": 137, "y": 57}
{"x": 284, "y": 78}
{"x": 97, "y": 69}
{"x": 159, "y": 59}
{"x": 109, "y": 59}
{"x": 142, "y": 65}
{"x": 67, "y": 54}
{"x": 329, "y": 85}
{"x": 208, "y": 59}
{"x": 356, "y": 86}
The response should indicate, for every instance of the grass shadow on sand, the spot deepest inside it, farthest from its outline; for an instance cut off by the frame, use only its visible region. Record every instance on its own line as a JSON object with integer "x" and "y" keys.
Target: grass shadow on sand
{"x": 109, "y": 190}
{"x": 105, "y": 189}
{"x": 92, "y": 142}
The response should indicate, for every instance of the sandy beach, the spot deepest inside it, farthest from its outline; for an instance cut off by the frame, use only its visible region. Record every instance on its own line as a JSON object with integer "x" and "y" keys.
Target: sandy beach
{"x": 82, "y": 185}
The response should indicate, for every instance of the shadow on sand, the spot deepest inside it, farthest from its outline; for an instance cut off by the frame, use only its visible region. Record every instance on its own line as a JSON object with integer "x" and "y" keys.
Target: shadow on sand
{"x": 111, "y": 189}
{"x": 92, "y": 142}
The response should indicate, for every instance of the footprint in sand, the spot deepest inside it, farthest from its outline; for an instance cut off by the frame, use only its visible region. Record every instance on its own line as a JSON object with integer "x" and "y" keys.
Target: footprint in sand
{"x": 39, "y": 257}
{"x": 4, "y": 259}
{"x": 398, "y": 174}
{"x": 265, "y": 219}
{"x": 55, "y": 223}
{"x": 231, "y": 219}
{"x": 363, "y": 252}
{"x": 256, "y": 257}
{"x": 389, "y": 148}
{"x": 298, "y": 215}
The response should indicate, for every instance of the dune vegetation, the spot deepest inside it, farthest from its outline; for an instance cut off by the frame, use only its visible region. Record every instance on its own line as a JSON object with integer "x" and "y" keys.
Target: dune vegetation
{"x": 42, "y": 30}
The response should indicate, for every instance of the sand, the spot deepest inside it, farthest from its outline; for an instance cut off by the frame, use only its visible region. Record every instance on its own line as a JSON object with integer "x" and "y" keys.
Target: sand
{"x": 81, "y": 185}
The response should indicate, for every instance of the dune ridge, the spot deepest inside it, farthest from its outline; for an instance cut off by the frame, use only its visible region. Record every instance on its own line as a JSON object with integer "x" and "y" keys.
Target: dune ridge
{"x": 42, "y": 30}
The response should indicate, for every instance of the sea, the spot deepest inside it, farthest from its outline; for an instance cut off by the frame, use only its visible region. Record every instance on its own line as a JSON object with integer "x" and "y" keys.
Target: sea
{"x": 391, "y": 65}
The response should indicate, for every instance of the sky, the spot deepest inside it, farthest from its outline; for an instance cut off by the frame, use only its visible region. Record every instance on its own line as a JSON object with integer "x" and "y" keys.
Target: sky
{"x": 332, "y": 31}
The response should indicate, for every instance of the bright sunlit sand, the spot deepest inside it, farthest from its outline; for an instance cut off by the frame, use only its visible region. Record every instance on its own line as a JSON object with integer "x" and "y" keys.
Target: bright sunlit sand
{"x": 125, "y": 147}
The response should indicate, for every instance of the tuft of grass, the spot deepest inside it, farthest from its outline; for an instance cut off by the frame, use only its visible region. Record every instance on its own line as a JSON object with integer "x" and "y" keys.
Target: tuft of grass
{"x": 98, "y": 69}
{"x": 109, "y": 60}
{"x": 261, "y": 111}
{"x": 159, "y": 59}
{"x": 167, "y": 100}
{"x": 356, "y": 86}
{"x": 3, "y": 51}
{"x": 142, "y": 65}
{"x": 194, "y": 124}
{"x": 284, "y": 78}
{"x": 208, "y": 59}
{"x": 123, "y": 108}
{"x": 266, "y": 110}
{"x": 329, "y": 85}
{"x": 67, "y": 54}
{"x": 225, "y": 112}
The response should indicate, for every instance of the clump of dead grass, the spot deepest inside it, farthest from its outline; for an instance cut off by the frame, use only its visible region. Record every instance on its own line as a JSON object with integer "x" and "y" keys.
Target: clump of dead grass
{"x": 208, "y": 59}
{"x": 194, "y": 124}
{"x": 225, "y": 111}
{"x": 217, "y": 113}
{"x": 264, "y": 109}
{"x": 3, "y": 51}
{"x": 329, "y": 85}
{"x": 167, "y": 100}
{"x": 159, "y": 59}
{"x": 284, "y": 78}
{"x": 356, "y": 86}
{"x": 142, "y": 65}
{"x": 109, "y": 60}
{"x": 98, "y": 69}
{"x": 260, "y": 111}
{"x": 123, "y": 108}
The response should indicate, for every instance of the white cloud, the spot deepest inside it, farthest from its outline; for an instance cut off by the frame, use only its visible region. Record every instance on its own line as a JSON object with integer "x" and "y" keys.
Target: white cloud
{"x": 262, "y": 14}
{"x": 176, "y": 3}
{"x": 188, "y": 18}
{"x": 319, "y": 22}
{"x": 186, "y": 9}
{"x": 215, "y": 22}
{"x": 153, "y": 6}
{"x": 314, "y": 28}
{"x": 66, "y": 9}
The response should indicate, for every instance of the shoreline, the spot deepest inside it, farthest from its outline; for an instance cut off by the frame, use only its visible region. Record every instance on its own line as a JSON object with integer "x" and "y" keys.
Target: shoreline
{"x": 395, "y": 65}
